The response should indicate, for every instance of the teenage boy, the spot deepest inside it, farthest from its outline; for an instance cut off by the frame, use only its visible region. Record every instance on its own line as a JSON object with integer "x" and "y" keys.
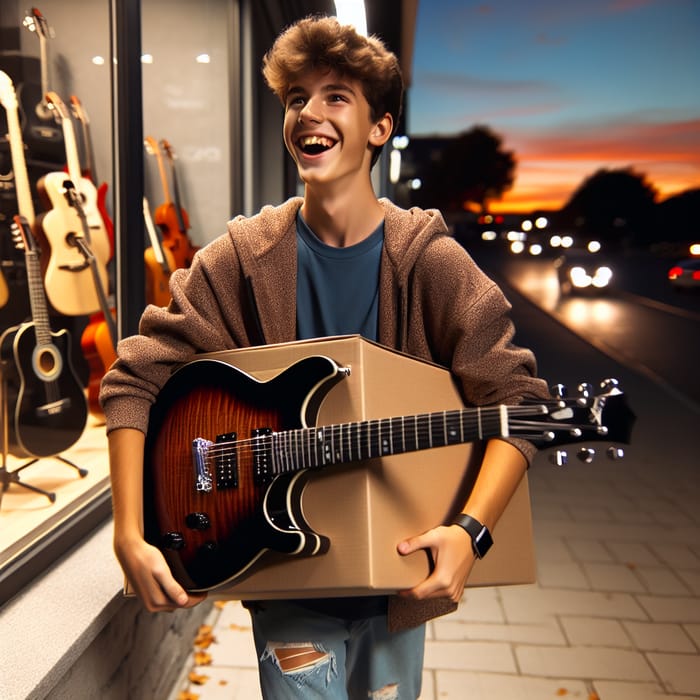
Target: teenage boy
{"x": 337, "y": 261}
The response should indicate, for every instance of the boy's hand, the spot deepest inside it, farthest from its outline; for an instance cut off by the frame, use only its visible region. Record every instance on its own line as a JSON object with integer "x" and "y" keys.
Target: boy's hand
{"x": 453, "y": 556}
{"x": 149, "y": 575}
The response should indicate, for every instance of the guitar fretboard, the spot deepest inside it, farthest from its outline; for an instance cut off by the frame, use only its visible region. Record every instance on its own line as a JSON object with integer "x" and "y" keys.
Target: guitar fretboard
{"x": 349, "y": 442}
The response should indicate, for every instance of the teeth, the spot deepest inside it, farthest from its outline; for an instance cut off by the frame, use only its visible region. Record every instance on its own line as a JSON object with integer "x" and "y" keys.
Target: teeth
{"x": 316, "y": 141}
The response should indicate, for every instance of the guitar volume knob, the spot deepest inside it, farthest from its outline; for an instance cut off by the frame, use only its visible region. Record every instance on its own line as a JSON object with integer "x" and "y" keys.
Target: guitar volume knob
{"x": 198, "y": 521}
{"x": 173, "y": 540}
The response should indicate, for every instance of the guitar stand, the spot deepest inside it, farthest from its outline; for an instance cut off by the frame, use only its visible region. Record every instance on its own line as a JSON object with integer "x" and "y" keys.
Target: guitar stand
{"x": 9, "y": 477}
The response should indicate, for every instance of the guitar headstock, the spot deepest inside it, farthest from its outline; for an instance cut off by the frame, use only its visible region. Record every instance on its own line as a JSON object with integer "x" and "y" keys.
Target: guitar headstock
{"x": 591, "y": 415}
{"x": 57, "y": 105}
{"x": 8, "y": 97}
{"x": 35, "y": 22}
{"x": 78, "y": 110}
{"x": 152, "y": 147}
{"x": 22, "y": 236}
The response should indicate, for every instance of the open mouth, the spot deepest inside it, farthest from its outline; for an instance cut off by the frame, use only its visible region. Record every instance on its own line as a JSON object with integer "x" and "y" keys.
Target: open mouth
{"x": 315, "y": 145}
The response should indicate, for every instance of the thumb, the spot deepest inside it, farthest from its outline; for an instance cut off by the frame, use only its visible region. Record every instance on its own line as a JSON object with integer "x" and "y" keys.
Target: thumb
{"x": 412, "y": 544}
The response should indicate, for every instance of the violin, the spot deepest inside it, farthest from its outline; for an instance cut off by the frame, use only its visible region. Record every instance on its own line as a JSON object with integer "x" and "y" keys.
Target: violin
{"x": 170, "y": 217}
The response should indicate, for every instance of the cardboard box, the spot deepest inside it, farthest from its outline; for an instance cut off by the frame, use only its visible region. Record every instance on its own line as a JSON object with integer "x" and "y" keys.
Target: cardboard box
{"x": 367, "y": 507}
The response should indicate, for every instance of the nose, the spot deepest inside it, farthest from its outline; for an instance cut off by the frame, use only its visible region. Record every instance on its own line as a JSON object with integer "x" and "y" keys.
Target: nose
{"x": 312, "y": 111}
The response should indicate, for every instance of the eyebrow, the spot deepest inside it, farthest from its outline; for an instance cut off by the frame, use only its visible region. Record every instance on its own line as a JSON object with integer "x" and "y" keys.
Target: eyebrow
{"x": 330, "y": 87}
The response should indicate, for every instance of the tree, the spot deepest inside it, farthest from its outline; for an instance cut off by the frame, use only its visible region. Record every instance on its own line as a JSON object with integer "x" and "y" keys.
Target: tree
{"x": 471, "y": 168}
{"x": 617, "y": 206}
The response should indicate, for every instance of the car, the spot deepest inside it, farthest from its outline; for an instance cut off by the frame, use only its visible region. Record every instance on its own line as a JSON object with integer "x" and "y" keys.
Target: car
{"x": 685, "y": 274}
{"x": 582, "y": 272}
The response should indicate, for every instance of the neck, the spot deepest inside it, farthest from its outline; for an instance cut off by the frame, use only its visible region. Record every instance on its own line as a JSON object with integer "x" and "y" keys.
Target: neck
{"x": 341, "y": 219}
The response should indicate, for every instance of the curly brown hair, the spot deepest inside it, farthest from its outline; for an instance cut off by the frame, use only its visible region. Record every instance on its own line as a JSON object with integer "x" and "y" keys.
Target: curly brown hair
{"x": 324, "y": 43}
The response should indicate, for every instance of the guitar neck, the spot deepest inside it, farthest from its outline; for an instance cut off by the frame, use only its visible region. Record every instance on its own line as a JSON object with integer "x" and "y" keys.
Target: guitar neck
{"x": 329, "y": 445}
{"x": 19, "y": 165}
{"x": 37, "y": 299}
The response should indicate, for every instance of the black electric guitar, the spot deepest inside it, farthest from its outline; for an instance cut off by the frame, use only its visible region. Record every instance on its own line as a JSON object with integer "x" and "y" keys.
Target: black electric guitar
{"x": 50, "y": 412}
{"x": 227, "y": 456}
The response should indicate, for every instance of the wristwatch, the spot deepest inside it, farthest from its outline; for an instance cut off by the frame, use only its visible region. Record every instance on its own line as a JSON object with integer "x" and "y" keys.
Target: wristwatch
{"x": 481, "y": 537}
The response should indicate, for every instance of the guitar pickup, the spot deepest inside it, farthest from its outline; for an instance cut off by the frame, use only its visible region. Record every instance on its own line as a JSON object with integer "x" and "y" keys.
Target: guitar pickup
{"x": 226, "y": 462}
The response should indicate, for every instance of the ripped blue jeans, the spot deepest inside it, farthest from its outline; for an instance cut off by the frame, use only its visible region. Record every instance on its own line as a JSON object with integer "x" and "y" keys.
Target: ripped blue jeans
{"x": 307, "y": 655}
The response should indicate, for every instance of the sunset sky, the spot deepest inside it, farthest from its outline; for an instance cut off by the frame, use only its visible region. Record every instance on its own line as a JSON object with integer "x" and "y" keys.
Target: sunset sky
{"x": 571, "y": 86}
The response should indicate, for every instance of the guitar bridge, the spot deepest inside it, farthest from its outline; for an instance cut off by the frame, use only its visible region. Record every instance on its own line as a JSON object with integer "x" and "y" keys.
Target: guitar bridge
{"x": 202, "y": 475}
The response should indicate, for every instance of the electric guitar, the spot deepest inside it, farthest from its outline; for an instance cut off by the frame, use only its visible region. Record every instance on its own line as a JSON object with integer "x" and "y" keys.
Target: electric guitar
{"x": 50, "y": 412}
{"x": 227, "y": 456}
{"x": 67, "y": 277}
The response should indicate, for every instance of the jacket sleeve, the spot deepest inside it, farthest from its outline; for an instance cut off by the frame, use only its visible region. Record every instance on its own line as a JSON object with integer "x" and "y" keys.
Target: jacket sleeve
{"x": 201, "y": 317}
{"x": 471, "y": 331}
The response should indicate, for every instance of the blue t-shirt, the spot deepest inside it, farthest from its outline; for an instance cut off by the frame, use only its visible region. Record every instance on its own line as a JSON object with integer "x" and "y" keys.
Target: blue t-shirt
{"x": 337, "y": 288}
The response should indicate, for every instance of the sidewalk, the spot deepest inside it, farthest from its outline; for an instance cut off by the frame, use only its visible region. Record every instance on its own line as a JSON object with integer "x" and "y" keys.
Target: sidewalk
{"x": 615, "y": 614}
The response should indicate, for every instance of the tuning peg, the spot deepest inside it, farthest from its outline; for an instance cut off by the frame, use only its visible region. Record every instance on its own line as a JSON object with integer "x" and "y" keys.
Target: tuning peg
{"x": 586, "y": 454}
{"x": 559, "y": 458}
{"x": 559, "y": 391}
{"x": 615, "y": 453}
{"x": 610, "y": 386}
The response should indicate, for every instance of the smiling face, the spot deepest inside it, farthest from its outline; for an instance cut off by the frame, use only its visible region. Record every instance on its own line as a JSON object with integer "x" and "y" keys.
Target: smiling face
{"x": 329, "y": 131}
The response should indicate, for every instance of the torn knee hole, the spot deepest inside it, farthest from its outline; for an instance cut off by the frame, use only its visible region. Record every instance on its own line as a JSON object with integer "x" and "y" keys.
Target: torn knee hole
{"x": 388, "y": 692}
{"x": 292, "y": 658}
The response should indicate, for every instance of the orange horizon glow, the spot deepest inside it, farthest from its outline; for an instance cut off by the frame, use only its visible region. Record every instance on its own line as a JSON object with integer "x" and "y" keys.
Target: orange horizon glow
{"x": 551, "y": 167}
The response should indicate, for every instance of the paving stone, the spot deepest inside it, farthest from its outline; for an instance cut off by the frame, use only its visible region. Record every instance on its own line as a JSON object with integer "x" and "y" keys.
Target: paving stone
{"x": 691, "y": 579}
{"x": 663, "y": 581}
{"x": 679, "y": 673}
{"x": 587, "y": 631}
{"x": 633, "y": 553}
{"x": 671, "y": 609}
{"x": 458, "y": 685}
{"x": 679, "y": 556}
{"x": 619, "y": 690}
{"x": 583, "y": 662}
{"x": 479, "y": 605}
{"x": 589, "y": 551}
{"x": 470, "y": 656}
{"x": 523, "y": 604}
{"x": 547, "y": 632}
{"x": 694, "y": 631}
{"x": 552, "y": 550}
{"x": 564, "y": 575}
{"x": 613, "y": 577}
{"x": 658, "y": 636}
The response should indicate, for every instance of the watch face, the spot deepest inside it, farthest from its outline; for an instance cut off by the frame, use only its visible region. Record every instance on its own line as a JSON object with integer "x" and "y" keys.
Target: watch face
{"x": 482, "y": 542}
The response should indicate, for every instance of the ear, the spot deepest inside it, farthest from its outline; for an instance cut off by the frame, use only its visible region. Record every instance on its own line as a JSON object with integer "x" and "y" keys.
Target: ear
{"x": 381, "y": 131}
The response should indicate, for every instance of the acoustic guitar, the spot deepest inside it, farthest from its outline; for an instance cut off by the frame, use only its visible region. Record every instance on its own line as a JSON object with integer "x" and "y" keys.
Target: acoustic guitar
{"x": 41, "y": 134}
{"x": 8, "y": 99}
{"x": 67, "y": 276}
{"x": 50, "y": 412}
{"x": 227, "y": 456}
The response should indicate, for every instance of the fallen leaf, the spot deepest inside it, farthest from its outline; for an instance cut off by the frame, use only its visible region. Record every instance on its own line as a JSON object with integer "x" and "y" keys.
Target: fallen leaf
{"x": 197, "y": 678}
{"x": 202, "y": 658}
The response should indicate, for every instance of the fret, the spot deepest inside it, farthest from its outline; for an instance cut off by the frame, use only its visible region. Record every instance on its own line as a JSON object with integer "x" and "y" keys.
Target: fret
{"x": 386, "y": 442}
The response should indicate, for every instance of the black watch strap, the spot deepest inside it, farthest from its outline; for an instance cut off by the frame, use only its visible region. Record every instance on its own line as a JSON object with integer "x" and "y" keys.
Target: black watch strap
{"x": 481, "y": 537}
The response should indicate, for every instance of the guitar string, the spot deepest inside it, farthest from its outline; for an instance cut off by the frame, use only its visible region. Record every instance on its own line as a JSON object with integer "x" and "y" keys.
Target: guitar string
{"x": 366, "y": 439}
